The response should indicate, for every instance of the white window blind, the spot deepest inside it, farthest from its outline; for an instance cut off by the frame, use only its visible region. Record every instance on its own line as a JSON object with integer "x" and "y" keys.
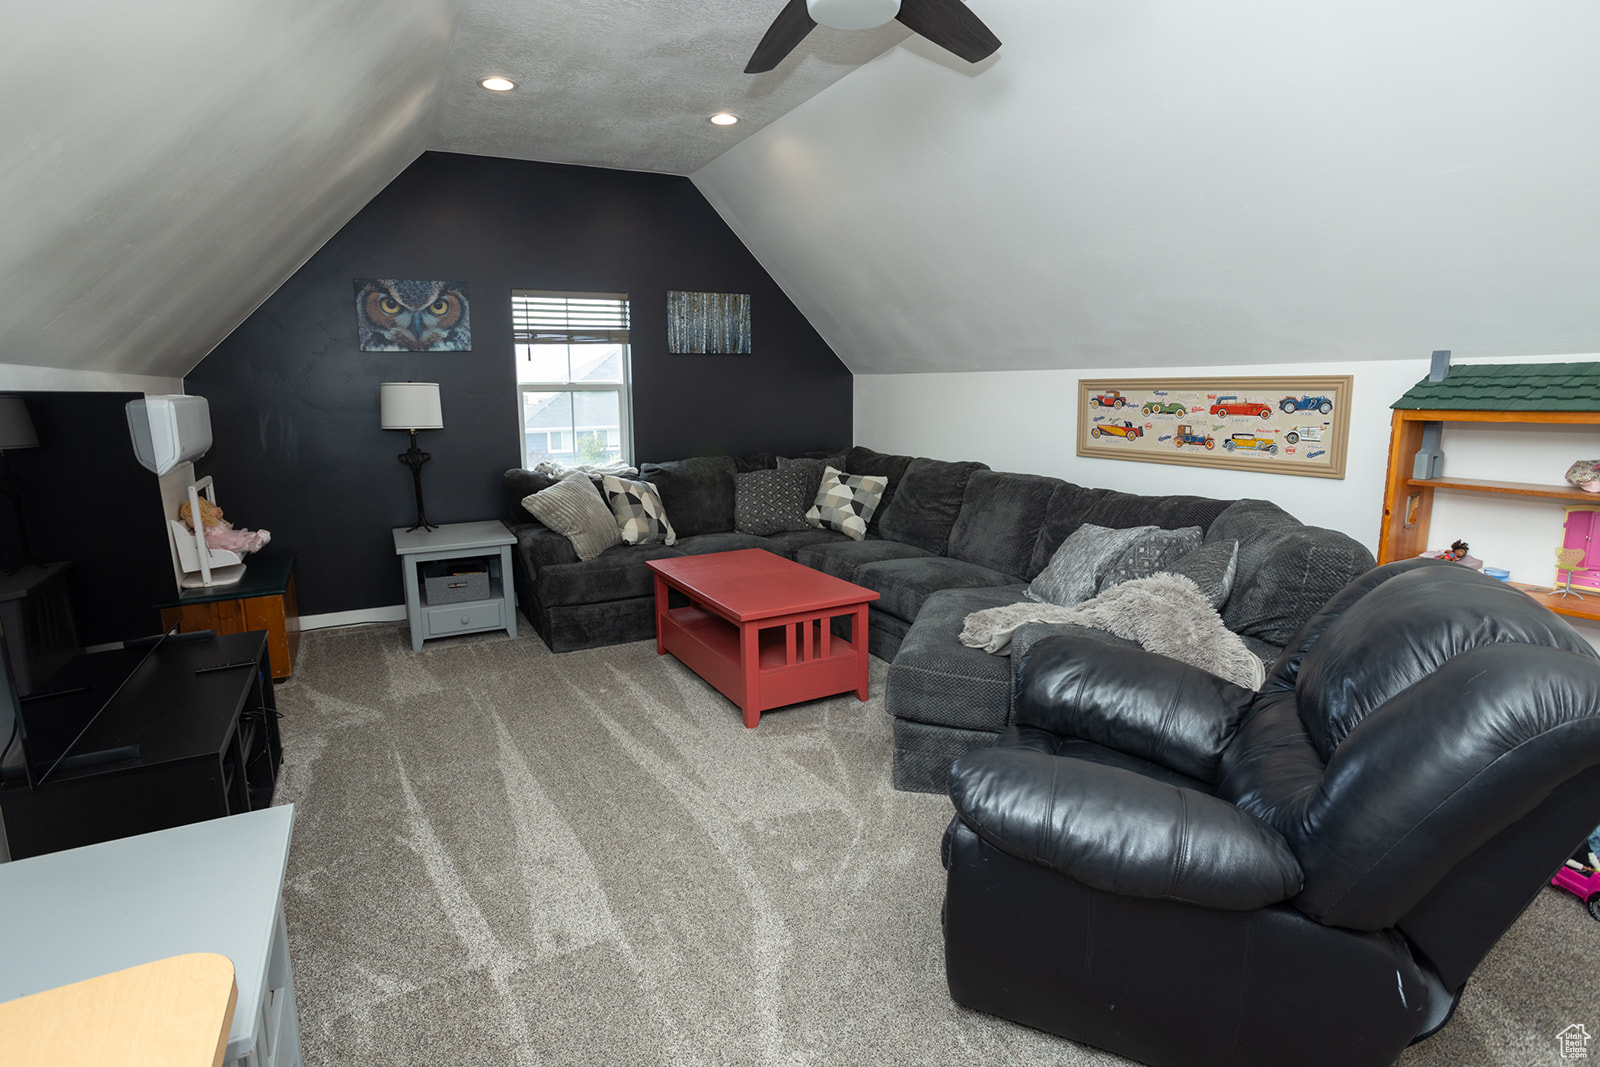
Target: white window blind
{"x": 569, "y": 318}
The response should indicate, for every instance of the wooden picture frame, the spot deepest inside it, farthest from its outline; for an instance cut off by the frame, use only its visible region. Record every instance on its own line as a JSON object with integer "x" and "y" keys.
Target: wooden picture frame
{"x": 1275, "y": 425}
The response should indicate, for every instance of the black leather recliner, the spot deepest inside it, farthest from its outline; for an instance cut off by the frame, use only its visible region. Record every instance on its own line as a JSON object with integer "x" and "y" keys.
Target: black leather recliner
{"x": 1160, "y": 863}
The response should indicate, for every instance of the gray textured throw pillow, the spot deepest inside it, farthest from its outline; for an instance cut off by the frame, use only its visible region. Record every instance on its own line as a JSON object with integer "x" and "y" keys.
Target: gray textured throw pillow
{"x": 770, "y": 501}
{"x": 1074, "y": 572}
{"x": 845, "y": 502}
{"x": 1211, "y": 567}
{"x": 641, "y": 517}
{"x": 1149, "y": 554}
{"x": 573, "y": 508}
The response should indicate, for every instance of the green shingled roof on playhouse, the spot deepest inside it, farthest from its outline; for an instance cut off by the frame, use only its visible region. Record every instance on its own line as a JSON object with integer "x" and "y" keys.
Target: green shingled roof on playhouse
{"x": 1509, "y": 387}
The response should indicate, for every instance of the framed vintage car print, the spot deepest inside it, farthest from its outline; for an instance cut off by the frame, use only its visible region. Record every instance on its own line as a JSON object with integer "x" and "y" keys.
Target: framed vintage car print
{"x": 1289, "y": 425}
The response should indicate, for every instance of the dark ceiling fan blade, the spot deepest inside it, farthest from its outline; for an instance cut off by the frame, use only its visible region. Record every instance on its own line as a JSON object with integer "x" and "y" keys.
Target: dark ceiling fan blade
{"x": 951, "y": 25}
{"x": 786, "y": 31}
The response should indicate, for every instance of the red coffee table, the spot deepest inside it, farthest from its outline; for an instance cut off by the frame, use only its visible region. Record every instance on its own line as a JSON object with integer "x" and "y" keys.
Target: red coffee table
{"x": 758, "y": 627}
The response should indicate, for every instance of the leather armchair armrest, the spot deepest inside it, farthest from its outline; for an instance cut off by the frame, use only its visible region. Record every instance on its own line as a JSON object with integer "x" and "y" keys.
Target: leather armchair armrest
{"x": 1130, "y": 700}
{"x": 1117, "y": 831}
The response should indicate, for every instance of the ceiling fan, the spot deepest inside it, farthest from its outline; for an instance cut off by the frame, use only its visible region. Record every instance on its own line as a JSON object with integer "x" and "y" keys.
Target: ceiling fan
{"x": 950, "y": 24}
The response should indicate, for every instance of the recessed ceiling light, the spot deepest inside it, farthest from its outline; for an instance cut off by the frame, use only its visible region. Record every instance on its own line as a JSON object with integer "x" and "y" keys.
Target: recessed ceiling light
{"x": 498, "y": 84}
{"x": 723, "y": 118}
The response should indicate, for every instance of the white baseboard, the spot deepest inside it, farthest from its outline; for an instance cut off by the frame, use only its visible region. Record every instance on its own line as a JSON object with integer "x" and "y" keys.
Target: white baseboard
{"x": 394, "y": 613}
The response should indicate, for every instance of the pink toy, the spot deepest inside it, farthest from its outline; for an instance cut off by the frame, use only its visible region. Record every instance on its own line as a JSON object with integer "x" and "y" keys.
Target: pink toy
{"x": 1582, "y": 881}
{"x": 224, "y": 536}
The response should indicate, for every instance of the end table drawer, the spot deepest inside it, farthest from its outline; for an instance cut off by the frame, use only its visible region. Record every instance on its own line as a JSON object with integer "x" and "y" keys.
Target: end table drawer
{"x": 460, "y": 618}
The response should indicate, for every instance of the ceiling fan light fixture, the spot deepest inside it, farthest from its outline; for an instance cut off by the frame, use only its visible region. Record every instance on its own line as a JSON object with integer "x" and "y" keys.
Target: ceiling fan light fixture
{"x": 497, "y": 84}
{"x": 724, "y": 118}
{"x": 852, "y": 14}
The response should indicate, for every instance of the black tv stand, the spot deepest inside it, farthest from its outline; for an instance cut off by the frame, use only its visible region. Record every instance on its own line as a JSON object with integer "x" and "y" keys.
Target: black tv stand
{"x": 173, "y": 746}
{"x": 100, "y": 757}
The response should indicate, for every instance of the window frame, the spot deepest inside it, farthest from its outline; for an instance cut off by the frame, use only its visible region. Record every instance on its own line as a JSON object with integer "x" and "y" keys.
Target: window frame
{"x": 623, "y": 388}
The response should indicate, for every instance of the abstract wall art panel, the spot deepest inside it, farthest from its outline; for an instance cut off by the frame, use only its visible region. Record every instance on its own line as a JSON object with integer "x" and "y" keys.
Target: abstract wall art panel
{"x": 708, "y": 323}
{"x": 394, "y": 315}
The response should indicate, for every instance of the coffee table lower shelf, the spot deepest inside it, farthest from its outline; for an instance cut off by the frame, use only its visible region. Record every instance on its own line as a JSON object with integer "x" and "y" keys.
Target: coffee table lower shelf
{"x": 792, "y": 658}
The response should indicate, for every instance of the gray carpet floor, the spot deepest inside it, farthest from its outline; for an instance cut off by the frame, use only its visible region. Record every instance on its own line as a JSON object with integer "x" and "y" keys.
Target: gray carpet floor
{"x": 505, "y": 856}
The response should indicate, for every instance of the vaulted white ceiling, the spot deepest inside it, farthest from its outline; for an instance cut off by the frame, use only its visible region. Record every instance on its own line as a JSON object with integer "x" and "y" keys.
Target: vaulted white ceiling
{"x": 169, "y": 163}
{"x": 1152, "y": 182}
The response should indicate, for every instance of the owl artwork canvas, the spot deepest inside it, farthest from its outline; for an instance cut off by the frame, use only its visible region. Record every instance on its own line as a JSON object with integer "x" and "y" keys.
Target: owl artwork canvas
{"x": 412, "y": 316}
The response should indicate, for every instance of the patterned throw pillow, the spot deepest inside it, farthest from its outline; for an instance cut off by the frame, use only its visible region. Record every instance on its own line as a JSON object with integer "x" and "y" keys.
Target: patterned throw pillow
{"x": 812, "y": 470}
{"x": 641, "y": 517}
{"x": 1074, "y": 572}
{"x": 1150, "y": 554}
{"x": 1211, "y": 567}
{"x": 845, "y": 502}
{"x": 770, "y": 501}
{"x": 573, "y": 508}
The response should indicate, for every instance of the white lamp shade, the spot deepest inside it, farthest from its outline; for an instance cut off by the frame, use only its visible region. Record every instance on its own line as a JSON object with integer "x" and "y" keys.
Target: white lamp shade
{"x": 16, "y": 427}
{"x": 410, "y": 406}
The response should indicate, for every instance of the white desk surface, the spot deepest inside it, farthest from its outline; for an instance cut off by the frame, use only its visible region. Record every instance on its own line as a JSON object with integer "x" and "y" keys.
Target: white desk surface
{"x": 210, "y": 886}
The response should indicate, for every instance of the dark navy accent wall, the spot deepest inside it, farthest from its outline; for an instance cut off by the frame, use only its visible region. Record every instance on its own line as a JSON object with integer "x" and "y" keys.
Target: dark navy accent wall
{"x": 86, "y": 500}
{"x": 294, "y": 404}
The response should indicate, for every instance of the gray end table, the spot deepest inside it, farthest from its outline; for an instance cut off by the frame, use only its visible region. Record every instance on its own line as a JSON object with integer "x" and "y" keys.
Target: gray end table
{"x": 492, "y": 604}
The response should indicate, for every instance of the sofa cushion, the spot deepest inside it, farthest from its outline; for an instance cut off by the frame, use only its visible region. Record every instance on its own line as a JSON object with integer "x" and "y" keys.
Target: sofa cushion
{"x": 936, "y": 679}
{"x": 615, "y": 574}
{"x": 539, "y": 546}
{"x": 846, "y": 502}
{"x": 789, "y": 543}
{"x": 1075, "y": 506}
{"x": 697, "y": 492}
{"x": 903, "y": 585}
{"x": 1286, "y": 570}
{"x": 1151, "y": 553}
{"x": 755, "y": 461}
{"x": 641, "y": 517}
{"x": 1108, "y": 507}
{"x": 861, "y": 460}
{"x": 925, "y": 506}
{"x": 770, "y": 501}
{"x": 841, "y": 558}
{"x": 1000, "y": 517}
{"x": 727, "y": 541}
{"x": 573, "y": 508}
{"x": 1075, "y": 571}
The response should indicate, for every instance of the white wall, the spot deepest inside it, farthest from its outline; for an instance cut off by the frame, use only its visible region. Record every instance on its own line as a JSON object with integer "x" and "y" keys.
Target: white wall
{"x": 1199, "y": 184}
{"x": 1024, "y": 421}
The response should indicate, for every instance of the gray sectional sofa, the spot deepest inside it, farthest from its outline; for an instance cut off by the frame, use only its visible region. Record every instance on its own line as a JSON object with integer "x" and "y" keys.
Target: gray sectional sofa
{"x": 947, "y": 539}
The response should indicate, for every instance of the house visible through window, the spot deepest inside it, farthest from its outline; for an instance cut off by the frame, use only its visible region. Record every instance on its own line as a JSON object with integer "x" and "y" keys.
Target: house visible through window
{"x": 572, "y": 373}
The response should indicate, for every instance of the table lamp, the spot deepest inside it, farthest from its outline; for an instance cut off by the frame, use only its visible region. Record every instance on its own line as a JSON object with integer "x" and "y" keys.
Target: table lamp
{"x": 16, "y": 431}
{"x": 412, "y": 406}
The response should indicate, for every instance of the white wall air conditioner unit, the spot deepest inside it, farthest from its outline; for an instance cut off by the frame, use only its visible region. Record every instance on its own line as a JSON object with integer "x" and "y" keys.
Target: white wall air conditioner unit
{"x": 169, "y": 430}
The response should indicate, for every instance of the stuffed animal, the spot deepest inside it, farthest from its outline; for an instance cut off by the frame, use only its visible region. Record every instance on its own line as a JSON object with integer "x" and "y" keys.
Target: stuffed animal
{"x": 220, "y": 533}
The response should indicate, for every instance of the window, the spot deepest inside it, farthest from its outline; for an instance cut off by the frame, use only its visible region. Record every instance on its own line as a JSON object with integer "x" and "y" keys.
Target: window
{"x": 572, "y": 373}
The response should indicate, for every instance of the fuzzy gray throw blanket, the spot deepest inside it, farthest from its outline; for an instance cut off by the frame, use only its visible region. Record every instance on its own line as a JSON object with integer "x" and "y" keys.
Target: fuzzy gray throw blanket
{"x": 1164, "y": 613}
